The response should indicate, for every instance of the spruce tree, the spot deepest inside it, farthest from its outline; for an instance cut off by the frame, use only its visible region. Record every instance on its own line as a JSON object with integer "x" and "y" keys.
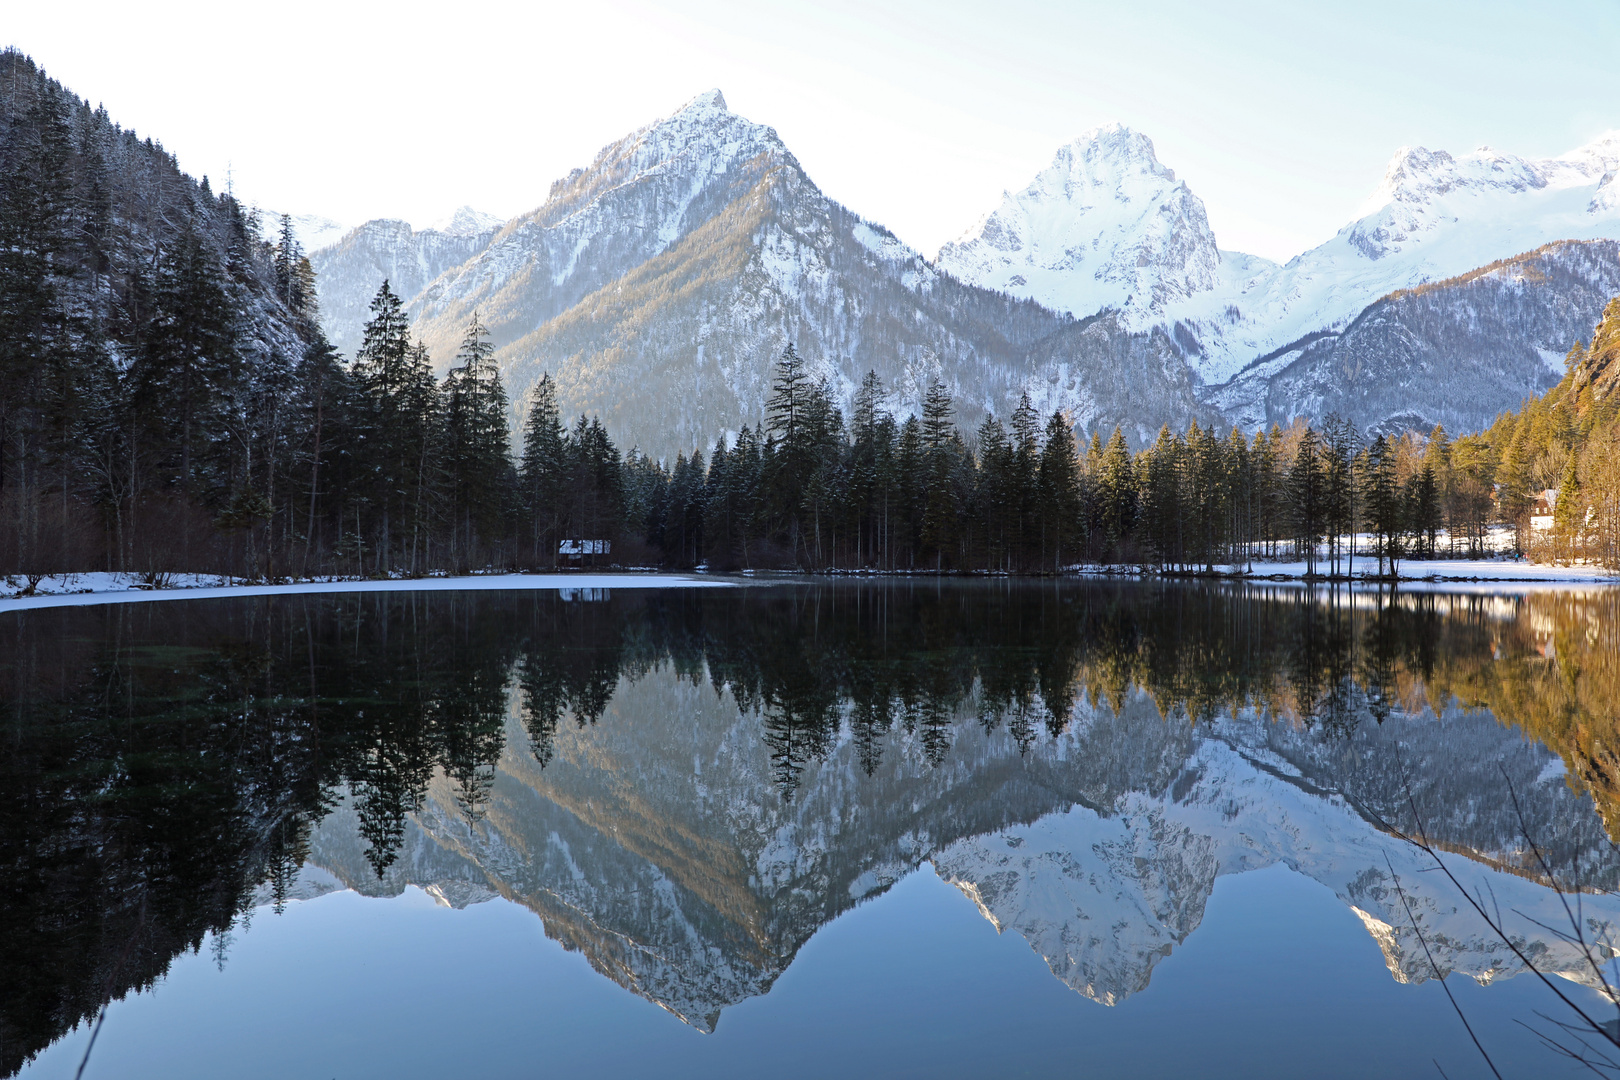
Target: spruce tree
{"x": 1307, "y": 494}
{"x": 476, "y": 449}
{"x": 190, "y": 369}
{"x": 543, "y": 474}
{"x": 1118, "y": 495}
{"x": 939, "y": 520}
{"x": 1059, "y": 489}
{"x": 1381, "y": 496}
{"x": 399, "y": 406}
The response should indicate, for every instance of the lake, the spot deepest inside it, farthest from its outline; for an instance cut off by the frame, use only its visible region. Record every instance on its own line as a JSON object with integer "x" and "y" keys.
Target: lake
{"x": 806, "y": 829}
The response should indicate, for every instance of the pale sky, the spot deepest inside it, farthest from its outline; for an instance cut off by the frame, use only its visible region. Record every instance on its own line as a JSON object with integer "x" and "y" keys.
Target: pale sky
{"x": 1280, "y": 116}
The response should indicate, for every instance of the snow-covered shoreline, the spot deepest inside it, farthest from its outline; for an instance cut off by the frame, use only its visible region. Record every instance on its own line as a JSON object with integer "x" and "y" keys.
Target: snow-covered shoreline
{"x": 1419, "y": 571}
{"x": 77, "y": 590}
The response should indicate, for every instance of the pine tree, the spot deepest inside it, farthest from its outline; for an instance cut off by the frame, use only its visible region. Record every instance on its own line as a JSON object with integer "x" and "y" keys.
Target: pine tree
{"x": 1569, "y": 512}
{"x": 1339, "y": 488}
{"x": 476, "y": 449}
{"x": 1118, "y": 494}
{"x": 997, "y": 494}
{"x": 1307, "y": 494}
{"x": 191, "y": 367}
{"x": 939, "y": 441}
{"x": 1163, "y": 489}
{"x": 791, "y": 456}
{"x": 543, "y": 474}
{"x": 1059, "y": 490}
{"x": 400, "y": 409}
{"x": 1381, "y": 495}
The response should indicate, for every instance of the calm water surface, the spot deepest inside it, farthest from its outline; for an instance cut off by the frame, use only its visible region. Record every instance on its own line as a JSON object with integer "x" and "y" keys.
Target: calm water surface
{"x": 801, "y": 830}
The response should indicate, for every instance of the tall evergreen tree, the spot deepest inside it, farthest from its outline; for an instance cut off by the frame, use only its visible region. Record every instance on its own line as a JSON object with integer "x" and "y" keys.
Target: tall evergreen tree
{"x": 543, "y": 474}
{"x": 1307, "y": 494}
{"x": 1059, "y": 490}
{"x": 476, "y": 450}
{"x": 1381, "y": 495}
{"x": 399, "y": 402}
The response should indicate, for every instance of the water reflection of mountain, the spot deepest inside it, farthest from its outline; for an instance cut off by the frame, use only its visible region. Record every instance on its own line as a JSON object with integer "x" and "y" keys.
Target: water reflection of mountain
{"x": 655, "y": 843}
{"x": 685, "y": 786}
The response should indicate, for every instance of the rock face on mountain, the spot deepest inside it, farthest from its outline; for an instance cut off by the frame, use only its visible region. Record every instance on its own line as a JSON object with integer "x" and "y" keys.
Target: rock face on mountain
{"x": 350, "y": 269}
{"x": 1455, "y": 352}
{"x": 1434, "y": 216}
{"x": 657, "y": 845}
{"x": 1104, "y": 226}
{"x": 658, "y": 285}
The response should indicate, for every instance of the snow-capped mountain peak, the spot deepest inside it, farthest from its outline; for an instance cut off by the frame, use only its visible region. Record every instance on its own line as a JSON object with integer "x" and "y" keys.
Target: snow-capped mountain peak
{"x": 467, "y": 222}
{"x": 702, "y": 138}
{"x": 712, "y": 100}
{"x": 312, "y": 231}
{"x": 1106, "y": 225}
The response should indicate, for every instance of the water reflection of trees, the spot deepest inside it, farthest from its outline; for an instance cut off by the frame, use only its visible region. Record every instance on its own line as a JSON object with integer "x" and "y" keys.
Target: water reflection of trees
{"x": 164, "y": 764}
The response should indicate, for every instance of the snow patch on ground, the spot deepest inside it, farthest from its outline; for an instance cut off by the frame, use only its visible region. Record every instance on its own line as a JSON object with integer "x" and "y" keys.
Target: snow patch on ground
{"x": 73, "y": 590}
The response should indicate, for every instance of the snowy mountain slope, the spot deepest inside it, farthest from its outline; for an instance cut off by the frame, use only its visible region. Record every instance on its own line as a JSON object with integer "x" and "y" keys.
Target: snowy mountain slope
{"x": 1434, "y": 216}
{"x": 1456, "y": 352}
{"x": 657, "y": 842}
{"x": 1104, "y": 226}
{"x": 1107, "y": 225}
{"x": 312, "y": 231}
{"x": 659, "y": 285}
{"x": 642, "y": 194}
{"x": 682, "y": 348}
{"x": 348, "y": 271}
{"x": 466, "y": 221}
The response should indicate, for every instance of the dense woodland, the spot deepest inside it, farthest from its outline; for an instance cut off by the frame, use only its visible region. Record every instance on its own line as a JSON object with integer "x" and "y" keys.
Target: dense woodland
{"x": 168, "y": 403}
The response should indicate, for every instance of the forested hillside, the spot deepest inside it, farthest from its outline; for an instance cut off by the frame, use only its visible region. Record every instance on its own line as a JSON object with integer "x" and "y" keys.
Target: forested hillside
{"x": 152, "y": 346}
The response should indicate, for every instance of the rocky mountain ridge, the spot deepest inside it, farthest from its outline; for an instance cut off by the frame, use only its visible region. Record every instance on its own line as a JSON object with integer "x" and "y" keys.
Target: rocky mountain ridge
{"x": 1454, "y": 352}
{"x": 657, "y": 285}
{"x": 1433, "y": 216}
{"x": 1104, "y": 226}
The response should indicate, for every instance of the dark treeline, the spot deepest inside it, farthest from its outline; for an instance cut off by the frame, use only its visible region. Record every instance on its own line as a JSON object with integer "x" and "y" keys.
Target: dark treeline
{"x": 165, "y": 763}
{"x": 807, "y": 489}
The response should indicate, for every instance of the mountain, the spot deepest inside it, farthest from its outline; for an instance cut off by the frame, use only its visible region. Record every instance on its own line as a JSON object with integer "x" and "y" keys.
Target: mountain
{"x": 1455, "y": 352}
{"x": 1107, "y": 225}
{"x": 1433, "y": 217}
{"x": 658, "y": 285}
{"x": 1104, "y": 226}
{"x": 313, "y": 231}
{"x": 695, "y": 887}
{"x": 350, "y": 268}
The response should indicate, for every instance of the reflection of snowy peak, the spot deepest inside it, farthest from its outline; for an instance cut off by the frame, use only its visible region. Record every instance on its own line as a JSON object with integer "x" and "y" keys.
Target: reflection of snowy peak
{"x": 1104, "y": 897}
{"x": 1104, "y": 226}
{"x": 658, "y": 844}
